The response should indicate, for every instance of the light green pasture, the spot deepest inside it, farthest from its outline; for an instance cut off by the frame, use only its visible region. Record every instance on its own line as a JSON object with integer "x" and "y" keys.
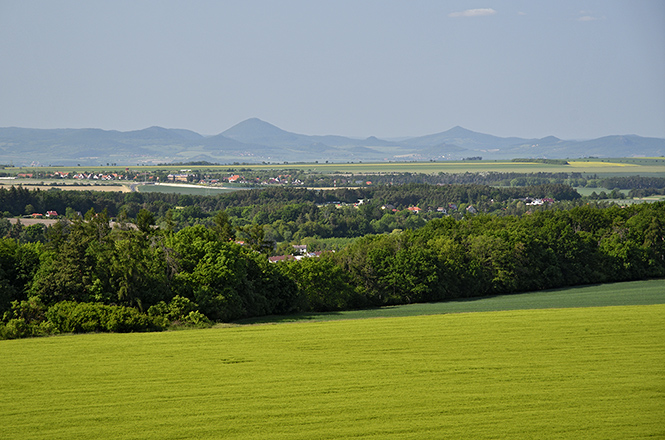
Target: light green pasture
{"x": 588, "y": 191}
{"x": 650, "y": 199}
{"x": 195, "y": 190}
{"x": 558, "y": 374}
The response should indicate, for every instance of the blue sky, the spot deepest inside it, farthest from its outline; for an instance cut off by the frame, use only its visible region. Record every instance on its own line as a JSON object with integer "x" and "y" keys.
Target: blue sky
{"x": 573, "y": 69}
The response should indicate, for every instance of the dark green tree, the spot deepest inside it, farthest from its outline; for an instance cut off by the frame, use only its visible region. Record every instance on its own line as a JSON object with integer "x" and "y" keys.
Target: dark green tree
{"x": 222, "y": 227}
{"x": 145, "y": 221}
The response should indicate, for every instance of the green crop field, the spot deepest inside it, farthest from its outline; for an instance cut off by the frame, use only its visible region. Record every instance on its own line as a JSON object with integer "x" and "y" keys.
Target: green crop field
{"x": 654, "y": 167}
{"x": 194, "y": 190}
{"x": 593, "y": 372}
{"x": 612, "y": 294}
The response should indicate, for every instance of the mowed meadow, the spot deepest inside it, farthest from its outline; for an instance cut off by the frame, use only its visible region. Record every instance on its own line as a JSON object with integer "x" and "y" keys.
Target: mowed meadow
{"x": 595, "y": 372}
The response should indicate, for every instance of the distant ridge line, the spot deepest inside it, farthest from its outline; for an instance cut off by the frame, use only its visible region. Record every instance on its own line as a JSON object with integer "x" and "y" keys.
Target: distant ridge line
{"x": 256, "y": 141}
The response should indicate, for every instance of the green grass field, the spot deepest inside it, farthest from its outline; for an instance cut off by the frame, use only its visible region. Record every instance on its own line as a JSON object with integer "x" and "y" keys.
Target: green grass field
{"x": 613, "y": 294}
{"x": 193, "y": 190}
{"x": 650, "y": 199}
{"x": 587, "y": 191}
{"x": 592, "y": 372}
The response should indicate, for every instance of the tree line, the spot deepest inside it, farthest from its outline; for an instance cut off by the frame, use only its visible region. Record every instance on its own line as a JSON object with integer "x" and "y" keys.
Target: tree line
{"x": 18, "y": 200}
{"x": 89, "y": 276}
{"x": 288, "y": 215}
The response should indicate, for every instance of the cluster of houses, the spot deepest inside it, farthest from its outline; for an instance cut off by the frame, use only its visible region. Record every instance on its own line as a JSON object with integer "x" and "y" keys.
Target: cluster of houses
{"x": 80, "y": 176}
{"x": 440, "y": 209}
{"x": 184, "y": 176}
{"x": 277, "y": 180}
{"x": 84, "y": 176}
{"x": 301, "y": 252}
{"x": 49, "y": 214}
{"x": 178, "y": 177}
{"x": 281, "y": 180}
{"x": 470, "y": 209}
{"x": 537, "y": 202}
{"x": 236, "y": 178}
{"x": 99, "y": 176}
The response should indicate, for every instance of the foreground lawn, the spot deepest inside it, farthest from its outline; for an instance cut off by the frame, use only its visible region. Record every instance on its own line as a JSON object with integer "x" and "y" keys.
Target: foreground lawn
{"x": 557, "y": 373}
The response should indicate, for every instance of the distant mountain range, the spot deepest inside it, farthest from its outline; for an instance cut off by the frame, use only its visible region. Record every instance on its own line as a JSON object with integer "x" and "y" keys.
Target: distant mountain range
{"x": 256, "y": 141}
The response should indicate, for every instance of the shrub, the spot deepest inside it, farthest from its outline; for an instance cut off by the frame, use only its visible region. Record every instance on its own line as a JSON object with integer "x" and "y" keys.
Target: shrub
{"x": 20, "y": 328}
{"x": 14, "y": 329}
{"x": 197, "y": 319}
{"x": 24, "y": 319}
{"x": 73, "y": 317}
{"x": 180, "y": 310}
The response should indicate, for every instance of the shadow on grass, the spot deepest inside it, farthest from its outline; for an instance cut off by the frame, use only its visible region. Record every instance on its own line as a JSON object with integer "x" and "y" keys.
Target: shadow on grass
{"x": 309, "y": 316}
{"x": 591, "y": 295}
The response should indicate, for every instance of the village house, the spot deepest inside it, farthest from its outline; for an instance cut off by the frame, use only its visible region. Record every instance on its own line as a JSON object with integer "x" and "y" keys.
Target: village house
{"x": 178, "y": 177}
{"x": 538, "y": 202}
{"x": 306, "y": 254}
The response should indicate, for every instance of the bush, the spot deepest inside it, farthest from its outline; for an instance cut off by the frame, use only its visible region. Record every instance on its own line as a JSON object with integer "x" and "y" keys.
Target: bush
{"x": 20, "y": 328}
{"x": 25, "y": 319}
{"x": 197, "y": 319}
{"x": 14, "y": 329}
{"x": 73, "y": 317}
{"x": 180, "y": 310}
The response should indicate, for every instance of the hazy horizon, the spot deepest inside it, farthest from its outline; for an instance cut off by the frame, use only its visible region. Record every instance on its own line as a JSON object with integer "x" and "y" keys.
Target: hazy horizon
{"x": 395, "y": 138}
{"x": 390, "y": 69}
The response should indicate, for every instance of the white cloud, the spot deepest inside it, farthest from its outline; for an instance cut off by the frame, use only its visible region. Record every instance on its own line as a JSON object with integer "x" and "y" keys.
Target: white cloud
{"x": 588, "y": 16}
{"x": 521, "y": 13}
{"x": 473, "y": 13}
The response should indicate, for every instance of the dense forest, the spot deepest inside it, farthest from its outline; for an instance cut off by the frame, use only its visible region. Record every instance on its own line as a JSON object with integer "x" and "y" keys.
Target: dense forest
{"x": 183, "y": 260}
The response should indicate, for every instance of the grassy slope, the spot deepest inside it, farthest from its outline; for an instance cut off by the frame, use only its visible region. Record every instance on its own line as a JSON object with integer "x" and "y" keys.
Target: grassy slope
{"x": 615, "y": 294}
{"x": 558, "y": 373}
